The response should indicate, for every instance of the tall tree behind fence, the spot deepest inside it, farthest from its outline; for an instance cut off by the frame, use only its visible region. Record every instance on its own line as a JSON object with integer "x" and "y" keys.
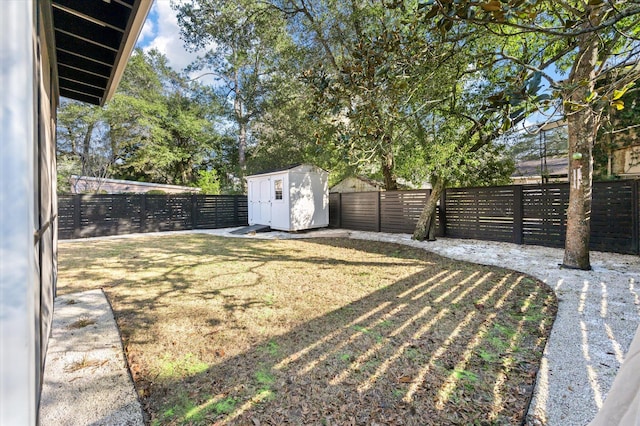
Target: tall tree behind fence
{"x": 81, "y": 216}
{"x": 531, "y": 214}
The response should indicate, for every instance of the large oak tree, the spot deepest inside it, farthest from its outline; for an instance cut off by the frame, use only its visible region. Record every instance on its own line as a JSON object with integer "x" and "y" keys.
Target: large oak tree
{"x": 595, "y": 41}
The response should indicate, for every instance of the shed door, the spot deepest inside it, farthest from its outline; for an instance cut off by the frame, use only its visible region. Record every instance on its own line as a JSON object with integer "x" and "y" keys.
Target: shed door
{"x": 265, "y": 202}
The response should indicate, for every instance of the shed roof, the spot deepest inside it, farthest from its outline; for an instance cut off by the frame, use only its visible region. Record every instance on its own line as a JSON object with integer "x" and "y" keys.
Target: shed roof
{"x": 286, "y": 168}
{"x": 93, "y": 41}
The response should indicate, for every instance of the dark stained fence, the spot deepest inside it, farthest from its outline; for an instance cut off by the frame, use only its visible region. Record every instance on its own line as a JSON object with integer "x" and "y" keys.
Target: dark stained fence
{"x": 66, "y": 216}
{"x": 361, "y": 211}
{"x": 220, "y": 211}
{"x": 481, "y": 213}
{"x": 530, "y": 214}
{"x": 400, "y": 210}
{"x": 167, "y": 213}
{"x": 81, "y": 216}
{"x": 108, "y": 215}
{"x": 614, "y": 220}
{"x": 544, "y": 208}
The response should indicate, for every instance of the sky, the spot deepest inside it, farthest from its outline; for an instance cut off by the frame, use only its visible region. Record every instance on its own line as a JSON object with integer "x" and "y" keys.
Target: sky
{"x": 161, "y": 32}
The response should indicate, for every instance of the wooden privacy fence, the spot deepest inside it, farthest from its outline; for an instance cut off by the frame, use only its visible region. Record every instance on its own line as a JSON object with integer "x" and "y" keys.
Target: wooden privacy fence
{"x": 81, "y": 216}
{"x": 522, "y": 214}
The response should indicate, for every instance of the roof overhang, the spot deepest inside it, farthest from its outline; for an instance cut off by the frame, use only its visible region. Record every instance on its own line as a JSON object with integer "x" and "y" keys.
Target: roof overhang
{"x": 93, "y": 42}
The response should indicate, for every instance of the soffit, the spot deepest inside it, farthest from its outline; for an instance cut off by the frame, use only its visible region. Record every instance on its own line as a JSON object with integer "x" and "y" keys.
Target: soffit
{"x": 93, "y": 41}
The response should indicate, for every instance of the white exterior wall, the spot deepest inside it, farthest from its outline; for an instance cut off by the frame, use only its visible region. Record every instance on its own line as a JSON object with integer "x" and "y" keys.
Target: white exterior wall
{"x": 309, "y": 193}
{"x": 28, "y": 206}
{"x": 19, "y": 275}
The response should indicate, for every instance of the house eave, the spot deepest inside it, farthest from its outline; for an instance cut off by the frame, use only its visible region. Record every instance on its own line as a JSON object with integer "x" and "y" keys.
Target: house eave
{"x": 93, "y": 42}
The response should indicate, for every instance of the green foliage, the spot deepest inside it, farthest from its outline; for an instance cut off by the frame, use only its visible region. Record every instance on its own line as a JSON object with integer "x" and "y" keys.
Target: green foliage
{"x": 225, "y": 406}
{"x": 264, "y": 378}
{"x": 246, "y": 43}
{"x": 344, "y": 86}
{"x": 66, "y": 166}
{"x": 189, "y": 364}
{"x": 159, "y": 127}
{"x": 542, "y": 44}
{"x": 272, "y": 348}
{"x": 208, "y": 182}
{"x": 618, "y": 131}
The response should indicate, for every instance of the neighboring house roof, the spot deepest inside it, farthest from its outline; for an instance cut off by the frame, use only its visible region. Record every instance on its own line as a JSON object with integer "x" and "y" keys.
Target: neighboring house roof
{"x": 367, "y": 184}
{"x": 93, "y": 41}
{"x": 340, "y": 186}
{"x": 118, "y": 186}
{"x": 371, "y": 182}
{"x": 555, "y": 166}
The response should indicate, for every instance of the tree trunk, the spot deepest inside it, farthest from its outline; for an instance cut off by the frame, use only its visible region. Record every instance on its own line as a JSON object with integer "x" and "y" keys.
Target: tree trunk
{"x": 242, "y": 122}
{"x": 242, "y": 145}
{"x": 390, "y": 183}
{"x": 582, "y": 128}
{"x": 426, "y": 226}
{"x": 86, "y": 151}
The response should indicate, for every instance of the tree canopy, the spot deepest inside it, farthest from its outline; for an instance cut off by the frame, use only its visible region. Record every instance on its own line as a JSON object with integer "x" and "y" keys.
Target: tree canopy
{"x": 594, "y": 45}
{"x": 159, "y": 127}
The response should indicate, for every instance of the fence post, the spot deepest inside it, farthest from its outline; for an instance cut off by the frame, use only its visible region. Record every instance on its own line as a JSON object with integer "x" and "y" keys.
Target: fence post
{"x": 635, "y": 209}
{"x": 339, "y": 209}
{"x": 379, "y": 211}
{"x": 518, "y": 213}
{"x": 442, "y": 213}
{"x": 76, "y": 215}
{"x": 143, "y": 212}
{"x": 236, "y": 219}
{"x": 194, "y": 211}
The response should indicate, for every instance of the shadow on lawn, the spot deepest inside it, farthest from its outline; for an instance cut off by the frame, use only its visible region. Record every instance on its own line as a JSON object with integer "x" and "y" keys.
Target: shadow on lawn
{"x": 453, "y": 343}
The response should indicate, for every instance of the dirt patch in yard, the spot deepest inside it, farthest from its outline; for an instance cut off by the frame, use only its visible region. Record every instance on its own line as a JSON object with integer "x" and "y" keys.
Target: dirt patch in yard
{"x": 330, "y": 331}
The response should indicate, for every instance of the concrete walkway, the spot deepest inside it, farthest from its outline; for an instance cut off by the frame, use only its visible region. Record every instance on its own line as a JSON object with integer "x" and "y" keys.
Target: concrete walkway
{"x": 86, "y": 380}
{"x": 598, "y": 314}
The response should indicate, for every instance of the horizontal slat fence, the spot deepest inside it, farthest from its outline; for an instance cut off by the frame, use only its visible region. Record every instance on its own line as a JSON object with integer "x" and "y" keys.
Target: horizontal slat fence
{"x": 480, "y": 213}
{"x": 543, "y": 221}
{"x": 81, "y": 216}
{"x": 221, "y": 211}
{"x": 400, "y": 210}
{"x": 360, "y": 211}
{"x": 522, "y": 214}
{"x": 614, "y": 221}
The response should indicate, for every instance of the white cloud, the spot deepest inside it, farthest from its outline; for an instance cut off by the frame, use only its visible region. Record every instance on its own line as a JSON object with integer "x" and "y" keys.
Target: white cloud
{"x": 148, "y": 31}
{"x": 164, "y": 35}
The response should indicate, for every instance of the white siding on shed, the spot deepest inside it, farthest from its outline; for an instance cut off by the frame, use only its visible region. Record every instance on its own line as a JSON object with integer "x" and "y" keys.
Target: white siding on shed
{"x": 289, "y": 200}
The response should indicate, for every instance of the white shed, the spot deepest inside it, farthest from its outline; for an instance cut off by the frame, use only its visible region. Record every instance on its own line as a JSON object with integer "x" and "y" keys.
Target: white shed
{"x": 289, "y": 199}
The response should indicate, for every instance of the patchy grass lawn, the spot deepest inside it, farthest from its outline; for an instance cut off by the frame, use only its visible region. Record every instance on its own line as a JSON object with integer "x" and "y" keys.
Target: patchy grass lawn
{"x": 325, "y": 331}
